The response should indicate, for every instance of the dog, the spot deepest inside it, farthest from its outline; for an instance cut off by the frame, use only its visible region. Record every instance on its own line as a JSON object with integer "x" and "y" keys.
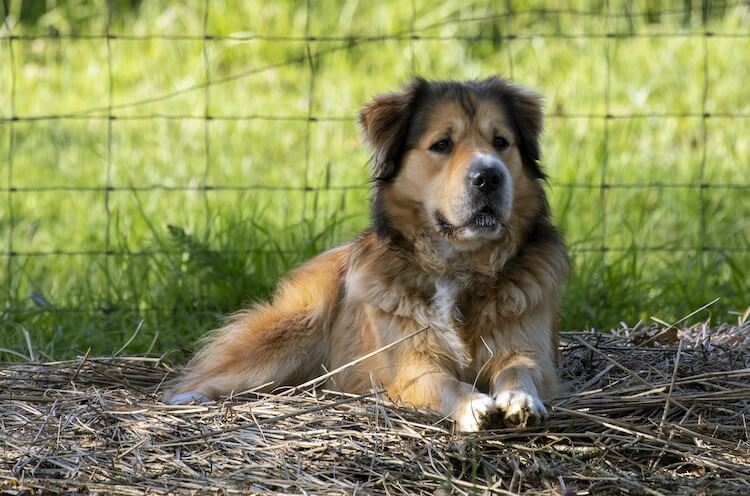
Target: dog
{"x": 461, "y": 263}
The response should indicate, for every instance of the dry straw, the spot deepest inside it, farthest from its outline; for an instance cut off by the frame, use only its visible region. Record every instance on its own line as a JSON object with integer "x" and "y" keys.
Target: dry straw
{"x": 666, "y": 416}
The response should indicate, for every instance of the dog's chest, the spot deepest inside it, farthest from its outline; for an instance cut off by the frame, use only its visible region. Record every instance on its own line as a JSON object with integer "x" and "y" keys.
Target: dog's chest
{"x": 444, "y": 302}
{"x": 453, "y": 303}
{"x": 471, "y": 307}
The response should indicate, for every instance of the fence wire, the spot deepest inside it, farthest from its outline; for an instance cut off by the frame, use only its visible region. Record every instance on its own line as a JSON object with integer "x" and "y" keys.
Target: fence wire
{"x": 316, "y": 47}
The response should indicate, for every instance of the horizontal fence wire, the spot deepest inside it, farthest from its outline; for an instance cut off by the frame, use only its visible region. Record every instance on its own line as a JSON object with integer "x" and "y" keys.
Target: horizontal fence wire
{"x": 326, "y": 45}
{"x": 335, "y": 118}
{"x": 255, "y": 187}
{"x": 384, "y": 37}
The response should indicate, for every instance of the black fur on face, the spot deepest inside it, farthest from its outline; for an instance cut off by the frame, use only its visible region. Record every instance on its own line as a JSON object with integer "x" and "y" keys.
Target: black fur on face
{"x": 394, "y": 122}
{"x": 524, "y": 108}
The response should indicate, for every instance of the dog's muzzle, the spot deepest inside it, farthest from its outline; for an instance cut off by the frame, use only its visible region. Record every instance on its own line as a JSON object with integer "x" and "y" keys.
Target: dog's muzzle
{"x": 488, "y": 183}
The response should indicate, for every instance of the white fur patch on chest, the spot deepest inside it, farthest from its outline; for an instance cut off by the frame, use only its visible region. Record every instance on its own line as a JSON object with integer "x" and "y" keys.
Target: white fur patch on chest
{"x": 445, "y": 302}
{"x": 444, "y": 315}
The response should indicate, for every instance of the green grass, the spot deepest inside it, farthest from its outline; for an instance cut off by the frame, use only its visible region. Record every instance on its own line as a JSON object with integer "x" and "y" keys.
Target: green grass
{"x": 200, "y": 254}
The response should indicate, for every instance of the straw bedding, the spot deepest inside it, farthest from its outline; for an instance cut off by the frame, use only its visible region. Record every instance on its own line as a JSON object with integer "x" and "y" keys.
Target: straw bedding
{"x": 645, "y": 415}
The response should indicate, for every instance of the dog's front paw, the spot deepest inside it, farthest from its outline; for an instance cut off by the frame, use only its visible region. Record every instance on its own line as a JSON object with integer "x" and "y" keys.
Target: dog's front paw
{"x": 477, "y": 412}
{"x": 189, "y": 397}
{"x": 519, "y": 408}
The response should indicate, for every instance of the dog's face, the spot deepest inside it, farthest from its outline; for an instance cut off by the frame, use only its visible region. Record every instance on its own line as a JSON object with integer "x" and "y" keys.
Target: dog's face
{"x": 460, "y": 158}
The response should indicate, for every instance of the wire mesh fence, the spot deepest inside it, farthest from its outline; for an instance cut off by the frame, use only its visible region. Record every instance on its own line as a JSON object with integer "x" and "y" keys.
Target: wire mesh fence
{"x": 145, "y": 143}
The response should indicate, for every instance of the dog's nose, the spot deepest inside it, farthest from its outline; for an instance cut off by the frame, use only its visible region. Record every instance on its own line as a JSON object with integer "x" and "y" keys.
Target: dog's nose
{"x": 485, "y": 177}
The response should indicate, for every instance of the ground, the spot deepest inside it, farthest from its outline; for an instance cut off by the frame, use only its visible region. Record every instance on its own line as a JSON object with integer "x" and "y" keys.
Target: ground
{"x": 655, "y": 410}
{"x": 157, "y": 179}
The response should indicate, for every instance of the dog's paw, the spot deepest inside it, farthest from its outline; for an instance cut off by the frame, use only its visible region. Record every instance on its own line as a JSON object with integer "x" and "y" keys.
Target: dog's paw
{"x": 476, "y": 413}
{"x": 188, "y": 398}
{"x": 520, "y": 409}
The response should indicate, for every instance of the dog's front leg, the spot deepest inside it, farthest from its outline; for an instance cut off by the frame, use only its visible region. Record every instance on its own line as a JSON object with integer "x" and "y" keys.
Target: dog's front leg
{"x": 421, "y": 382}
{"x": 521, "y": 370}
{"x": 521, "y": 373}
{"x": 516, "y": 394}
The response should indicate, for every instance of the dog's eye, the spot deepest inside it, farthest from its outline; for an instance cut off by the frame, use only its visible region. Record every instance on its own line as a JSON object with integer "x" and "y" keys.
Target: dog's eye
{"x": 500, "y": 143}
{"x": 442, "y": 146}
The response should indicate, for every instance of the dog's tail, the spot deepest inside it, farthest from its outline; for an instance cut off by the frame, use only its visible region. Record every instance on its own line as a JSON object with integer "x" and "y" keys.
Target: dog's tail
{"x": 274, "y": 344}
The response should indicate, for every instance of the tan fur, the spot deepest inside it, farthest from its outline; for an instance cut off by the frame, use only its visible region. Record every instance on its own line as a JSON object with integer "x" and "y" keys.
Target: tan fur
{"x": 491, "y": 303}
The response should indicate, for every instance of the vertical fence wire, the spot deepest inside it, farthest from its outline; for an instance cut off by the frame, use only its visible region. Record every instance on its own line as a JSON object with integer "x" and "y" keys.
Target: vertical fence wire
{"x": 108, "y": 179}
{"x": 704, "y": 145}
{"x": 412, "y": 37}
{"x": 11, "y": 144}
{"x": 603, "y": 184}
{"x": 206, "y": 116}
{"x": 309, "y": 58}
{"x": 508, "y": 39}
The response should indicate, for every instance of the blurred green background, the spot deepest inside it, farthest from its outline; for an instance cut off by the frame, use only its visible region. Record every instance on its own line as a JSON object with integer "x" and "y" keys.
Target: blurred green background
{"x": 157, "y": 178}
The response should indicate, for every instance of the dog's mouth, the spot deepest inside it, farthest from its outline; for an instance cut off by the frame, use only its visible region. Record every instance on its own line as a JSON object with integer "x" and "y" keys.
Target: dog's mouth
{"x": 486, "y": 219}
{"x": 486, "y": 222}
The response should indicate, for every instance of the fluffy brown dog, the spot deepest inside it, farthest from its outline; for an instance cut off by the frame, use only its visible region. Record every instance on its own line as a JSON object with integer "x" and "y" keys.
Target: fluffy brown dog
{"x": 461, "y": 243}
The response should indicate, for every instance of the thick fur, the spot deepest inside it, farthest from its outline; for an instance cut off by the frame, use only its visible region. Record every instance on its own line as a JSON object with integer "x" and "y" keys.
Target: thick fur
{"x": 487, "y": 285}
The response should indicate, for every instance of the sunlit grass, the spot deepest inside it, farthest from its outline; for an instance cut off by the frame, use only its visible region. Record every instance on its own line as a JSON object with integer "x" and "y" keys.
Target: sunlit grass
{"x": 199, "y": 254}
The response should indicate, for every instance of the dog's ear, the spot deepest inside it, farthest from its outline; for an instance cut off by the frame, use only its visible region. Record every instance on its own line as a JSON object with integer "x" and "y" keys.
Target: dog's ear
{"x": 528, "y": 115}
{"x": 385, "y": 122}
{"x": 525, "y": 110}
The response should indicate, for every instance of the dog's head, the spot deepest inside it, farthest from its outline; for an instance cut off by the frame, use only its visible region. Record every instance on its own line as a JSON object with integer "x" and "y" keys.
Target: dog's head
{"x": 461, "y": 158}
